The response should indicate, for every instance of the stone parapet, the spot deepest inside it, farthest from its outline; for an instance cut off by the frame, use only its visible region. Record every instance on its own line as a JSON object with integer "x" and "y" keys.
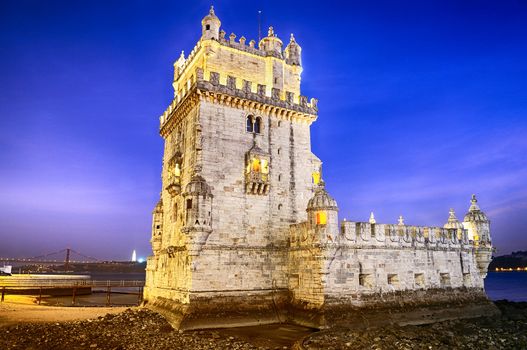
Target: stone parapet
{"x": 245, "y": 92}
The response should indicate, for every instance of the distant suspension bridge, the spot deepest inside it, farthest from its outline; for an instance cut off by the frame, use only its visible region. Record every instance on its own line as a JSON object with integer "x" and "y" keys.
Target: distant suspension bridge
{"x": 67, "y": 256}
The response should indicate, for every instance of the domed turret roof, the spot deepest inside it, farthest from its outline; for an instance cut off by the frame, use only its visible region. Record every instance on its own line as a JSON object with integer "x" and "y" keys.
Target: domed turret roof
{"x": 474, "y": 212}
{"x": 452, "y": 221}
{"x": 159, "y": 207}
{"x": 210, "y": 17}
{"x": 197, "y": 186}
{"x": 322, "y": 200}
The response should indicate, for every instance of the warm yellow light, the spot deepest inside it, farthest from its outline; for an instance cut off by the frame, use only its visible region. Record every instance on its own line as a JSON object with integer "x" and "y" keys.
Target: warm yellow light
{"x": 322, "y": 217}
{"x": 177, "y": 170}
{"x": 265, "y": 166}
{"x": 256, "y": 164}
{"x": 316, "y": 177}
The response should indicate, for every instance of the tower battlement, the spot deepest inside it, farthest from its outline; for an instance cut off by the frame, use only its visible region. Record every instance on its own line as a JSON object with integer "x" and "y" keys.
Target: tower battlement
{"x": 286, "y": 104}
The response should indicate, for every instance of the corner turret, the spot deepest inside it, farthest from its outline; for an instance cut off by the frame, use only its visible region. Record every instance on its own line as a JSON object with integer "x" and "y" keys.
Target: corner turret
{"x": 478, "y": 226}
{"x": 271, "y": 44}
{"x": 477, "y": 223}
{"x": 322, "y": 215}
{"x": 157, "y": 226}
{"x": 210, "y": 26}
{"x": 293, "y": 52}
{"x": 198, "y": 209}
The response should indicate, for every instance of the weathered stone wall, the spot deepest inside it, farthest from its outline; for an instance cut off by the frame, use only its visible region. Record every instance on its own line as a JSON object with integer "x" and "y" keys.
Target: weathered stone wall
{"x": 365, "y": 259}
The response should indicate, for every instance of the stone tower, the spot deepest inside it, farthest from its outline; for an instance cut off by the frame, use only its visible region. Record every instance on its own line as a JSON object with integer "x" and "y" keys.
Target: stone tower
{"x": 237, "y": 171}
{"x": 245, "y": 232}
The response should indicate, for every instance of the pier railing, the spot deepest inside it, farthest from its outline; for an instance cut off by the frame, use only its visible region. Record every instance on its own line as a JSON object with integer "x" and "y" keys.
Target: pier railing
{"x": 38, "y": 285}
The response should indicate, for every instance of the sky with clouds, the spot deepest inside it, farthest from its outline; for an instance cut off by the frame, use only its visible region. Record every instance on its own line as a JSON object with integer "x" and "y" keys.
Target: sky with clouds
{"x": 422, "y": 103}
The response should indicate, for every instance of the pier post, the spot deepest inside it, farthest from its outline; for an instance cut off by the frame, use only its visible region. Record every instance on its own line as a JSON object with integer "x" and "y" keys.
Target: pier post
{"x": 108, "y": 298}
{"x": 140, "y": 295}
{"x": 3, "y": 293}
{"x": 74, "y": 295}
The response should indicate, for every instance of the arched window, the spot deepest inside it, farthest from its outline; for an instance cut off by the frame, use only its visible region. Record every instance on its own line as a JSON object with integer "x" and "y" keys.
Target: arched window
{"x": 257, "y": 125}
{"x": 250, "y": 126}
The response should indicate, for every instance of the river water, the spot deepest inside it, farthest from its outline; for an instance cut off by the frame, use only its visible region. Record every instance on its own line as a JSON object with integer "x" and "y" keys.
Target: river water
{"x": 511, "y": 285}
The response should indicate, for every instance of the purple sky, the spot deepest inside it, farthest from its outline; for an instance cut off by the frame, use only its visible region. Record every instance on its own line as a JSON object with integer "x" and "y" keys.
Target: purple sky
{"x": 422, "y": 103}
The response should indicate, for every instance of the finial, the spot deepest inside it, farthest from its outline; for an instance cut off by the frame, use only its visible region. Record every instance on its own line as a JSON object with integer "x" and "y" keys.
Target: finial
{"x": 401, "y": 220}
{"x": 321, "y": 184}
{"x": 182, "y": 56}
{"x": 372, "y": 219}
{"x": 271, "y": 31}
{"x": 292, "y": 39}
{"x": 211, "y": 11}
{"x": 452, "y": 213}
{"x": 474, "y": 203}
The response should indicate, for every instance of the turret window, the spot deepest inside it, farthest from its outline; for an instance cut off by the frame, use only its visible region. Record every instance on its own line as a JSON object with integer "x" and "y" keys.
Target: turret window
{"x": 321, "y": 217}
{"x": 207, "y": 27}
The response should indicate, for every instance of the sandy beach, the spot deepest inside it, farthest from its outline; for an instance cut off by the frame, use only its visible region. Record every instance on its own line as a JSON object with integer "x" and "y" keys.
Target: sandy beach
{"x": 18, "y": 309}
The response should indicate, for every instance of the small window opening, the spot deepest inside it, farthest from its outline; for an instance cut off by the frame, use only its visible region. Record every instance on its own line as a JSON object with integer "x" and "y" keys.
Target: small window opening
{"x": 250, "y": 127}
{"x": 275, "y": 80}
{"x": 158, "y": 227}
{"x": 467, "y": 280}
{"x": 366, "y": 280}
{"x": 279, "y": 150}
{"x": 393, "y": 279}
{"x": 189, "y": 203}
{"x": 257, "y": 125}
{"x": 419, "y": 279}
{"x": 207, "y": 27}
{"x": 279, "y": 123}
{"x": 279, "y": 206}
{"x": 279, "y": 177}
{"x": 444, "y": 279}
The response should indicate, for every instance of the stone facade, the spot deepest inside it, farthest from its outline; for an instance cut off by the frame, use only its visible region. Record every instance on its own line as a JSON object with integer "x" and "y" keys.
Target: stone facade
{"x": 244, "y": 231}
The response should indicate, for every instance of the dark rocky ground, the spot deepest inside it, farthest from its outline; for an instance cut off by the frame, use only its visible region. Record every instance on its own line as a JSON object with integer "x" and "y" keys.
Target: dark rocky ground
{"x": 143, "y": 329}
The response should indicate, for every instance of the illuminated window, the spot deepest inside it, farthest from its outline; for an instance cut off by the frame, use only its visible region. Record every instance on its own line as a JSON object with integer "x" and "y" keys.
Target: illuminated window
{"x": 177, "y": 172}
{"x": 316, "y": 177}
{"x": 255, "y": 164}
{"x": 265, "y": 166}
{"x": 322, "y": 218}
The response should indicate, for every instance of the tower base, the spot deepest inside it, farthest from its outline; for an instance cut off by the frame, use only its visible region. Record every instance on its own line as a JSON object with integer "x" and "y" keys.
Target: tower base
{"x": 233, "y": 309}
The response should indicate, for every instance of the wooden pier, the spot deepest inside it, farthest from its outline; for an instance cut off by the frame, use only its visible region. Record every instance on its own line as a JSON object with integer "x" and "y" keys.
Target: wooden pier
{"x": 65, "y": 285}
